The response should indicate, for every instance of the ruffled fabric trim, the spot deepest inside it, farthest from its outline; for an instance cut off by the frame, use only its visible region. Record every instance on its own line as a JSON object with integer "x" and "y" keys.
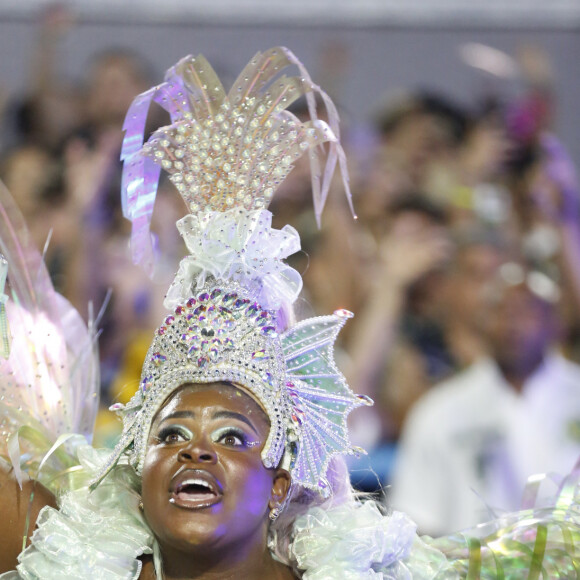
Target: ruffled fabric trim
{"x": 237, "y": 245}
{"x": 357, "y": 541}
{"x": 97, "y": 535}
{"x": 101, "y": 534}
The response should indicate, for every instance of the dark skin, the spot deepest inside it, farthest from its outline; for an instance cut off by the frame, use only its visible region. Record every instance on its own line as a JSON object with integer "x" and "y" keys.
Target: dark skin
{"x": 14, "y": 508}
{"x": 520, "y": 330}
{"x": 215, "y": 432}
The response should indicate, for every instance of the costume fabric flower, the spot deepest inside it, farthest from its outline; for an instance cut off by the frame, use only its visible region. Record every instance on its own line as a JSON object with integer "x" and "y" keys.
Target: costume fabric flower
{"x": 241, "y": 246}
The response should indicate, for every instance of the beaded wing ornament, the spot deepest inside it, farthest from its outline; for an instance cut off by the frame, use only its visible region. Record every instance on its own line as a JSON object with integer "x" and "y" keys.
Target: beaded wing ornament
{"x": 226, "y": 155}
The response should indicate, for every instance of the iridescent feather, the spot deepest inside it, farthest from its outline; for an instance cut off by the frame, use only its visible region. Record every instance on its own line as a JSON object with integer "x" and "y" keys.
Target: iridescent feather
{"x": 49, "y": 384}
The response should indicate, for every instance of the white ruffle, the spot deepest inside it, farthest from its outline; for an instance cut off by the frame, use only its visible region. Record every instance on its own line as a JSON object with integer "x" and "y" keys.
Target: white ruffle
{"x": 96, "y": 535}
{"x": 237, "y": 245}
{"x": 357, "y": 541}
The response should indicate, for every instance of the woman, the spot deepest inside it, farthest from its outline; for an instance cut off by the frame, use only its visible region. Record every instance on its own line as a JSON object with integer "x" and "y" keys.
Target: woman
{"x": 230, "y": 462}
{"x": 205, "y": 491}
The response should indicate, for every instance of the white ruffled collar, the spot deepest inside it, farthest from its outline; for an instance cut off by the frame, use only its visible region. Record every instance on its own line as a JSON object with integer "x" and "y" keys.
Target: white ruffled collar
{"x": 102, "y": 534}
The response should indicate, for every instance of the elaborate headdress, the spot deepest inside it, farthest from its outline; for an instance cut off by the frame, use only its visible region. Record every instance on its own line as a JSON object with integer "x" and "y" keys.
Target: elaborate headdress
{"x": 227, "y": 154}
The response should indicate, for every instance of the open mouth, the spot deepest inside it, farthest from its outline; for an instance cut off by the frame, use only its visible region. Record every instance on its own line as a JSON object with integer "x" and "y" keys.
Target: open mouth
{"x": 195, "y": 489}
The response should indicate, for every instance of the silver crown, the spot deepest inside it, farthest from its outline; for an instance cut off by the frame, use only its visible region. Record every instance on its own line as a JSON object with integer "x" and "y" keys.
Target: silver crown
{"x": 220, "y": 335}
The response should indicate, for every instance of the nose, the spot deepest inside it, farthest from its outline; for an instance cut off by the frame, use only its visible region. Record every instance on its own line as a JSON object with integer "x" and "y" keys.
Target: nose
{"x": 198, "y": 451}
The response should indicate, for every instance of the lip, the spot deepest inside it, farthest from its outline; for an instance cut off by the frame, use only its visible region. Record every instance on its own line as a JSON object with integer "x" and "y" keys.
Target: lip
{"x": 199, "y": 499}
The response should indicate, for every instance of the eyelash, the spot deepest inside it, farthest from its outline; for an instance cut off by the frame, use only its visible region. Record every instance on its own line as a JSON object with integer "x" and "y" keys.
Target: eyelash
{"x": 172, "y": 430}
{"x": 232, "y": 432}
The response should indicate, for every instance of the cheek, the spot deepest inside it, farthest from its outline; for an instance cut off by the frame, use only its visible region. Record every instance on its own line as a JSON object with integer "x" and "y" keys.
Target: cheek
{"x": 153, "y": 482}
{"x": 254, "y": 485}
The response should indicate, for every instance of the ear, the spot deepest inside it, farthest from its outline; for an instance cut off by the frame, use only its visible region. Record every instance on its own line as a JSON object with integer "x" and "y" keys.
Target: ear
{"x": 280, "y": 488}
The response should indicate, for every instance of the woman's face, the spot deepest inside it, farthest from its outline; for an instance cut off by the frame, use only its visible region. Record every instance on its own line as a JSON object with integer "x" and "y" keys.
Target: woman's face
{"x": 204, "y": 484}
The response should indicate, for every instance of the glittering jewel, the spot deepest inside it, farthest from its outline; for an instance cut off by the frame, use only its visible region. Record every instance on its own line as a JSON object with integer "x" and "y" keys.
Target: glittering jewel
{"x": 226, "y": 150}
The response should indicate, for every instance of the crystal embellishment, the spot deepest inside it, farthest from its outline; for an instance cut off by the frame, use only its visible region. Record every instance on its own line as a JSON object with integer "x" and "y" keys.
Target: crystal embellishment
{"x": 225, "y": 150}
{"x": 292, "y": 375}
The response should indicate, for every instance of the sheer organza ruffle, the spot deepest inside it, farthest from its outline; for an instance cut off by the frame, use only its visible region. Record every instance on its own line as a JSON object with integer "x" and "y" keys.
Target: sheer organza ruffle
{"x": 357, "y": 541}
{"x": 97, "y": 535}
{"x": 241, "y": 246}
{"x": 101, "y": 534}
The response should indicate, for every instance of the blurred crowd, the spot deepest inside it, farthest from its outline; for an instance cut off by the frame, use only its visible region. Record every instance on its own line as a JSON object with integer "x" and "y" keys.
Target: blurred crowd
{"x": 463, "y": 269}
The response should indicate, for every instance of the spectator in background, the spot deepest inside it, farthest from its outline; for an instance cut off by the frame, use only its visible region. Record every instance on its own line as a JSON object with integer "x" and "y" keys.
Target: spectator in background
{"x": 93, "y": 178}
{"x": 404, "y": 273}
{"x": 415, "y": 134}
{"x": 545, "y": 222}
{"x": 470, "y": 444}
{"x": 446, "y": 335}
{"x": 467, "y": 181}
{"x": 52, "y": 106}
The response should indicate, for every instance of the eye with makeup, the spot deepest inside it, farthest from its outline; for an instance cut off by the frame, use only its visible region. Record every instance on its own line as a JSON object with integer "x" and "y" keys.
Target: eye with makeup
{"x": 173, "y": 434}
{"x": 229, "y": 436}
{"x": 233, "y": 437}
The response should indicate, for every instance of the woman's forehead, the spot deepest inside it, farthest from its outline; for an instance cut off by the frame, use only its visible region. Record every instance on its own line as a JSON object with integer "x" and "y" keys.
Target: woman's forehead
{"x": 219, "y": 394}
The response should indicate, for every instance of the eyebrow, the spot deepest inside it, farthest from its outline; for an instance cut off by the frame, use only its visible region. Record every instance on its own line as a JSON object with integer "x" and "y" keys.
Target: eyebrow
{"x": 179, "y": 415}
{"x": 185, "y": 414}
{"x": 234, "y": 415}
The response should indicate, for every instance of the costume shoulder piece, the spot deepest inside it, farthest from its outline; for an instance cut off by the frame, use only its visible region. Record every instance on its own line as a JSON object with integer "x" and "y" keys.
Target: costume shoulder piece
{"x": 49, "y": 373}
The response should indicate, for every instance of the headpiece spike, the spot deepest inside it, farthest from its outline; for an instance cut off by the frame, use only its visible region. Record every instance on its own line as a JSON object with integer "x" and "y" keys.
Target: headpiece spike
{"x": 225, "y": 151}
